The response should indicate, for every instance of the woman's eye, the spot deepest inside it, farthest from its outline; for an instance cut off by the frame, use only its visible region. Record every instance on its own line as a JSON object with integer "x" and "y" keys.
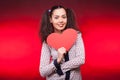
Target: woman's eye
{"x": 56, "y": 17}
{"x": 64, "y": 17}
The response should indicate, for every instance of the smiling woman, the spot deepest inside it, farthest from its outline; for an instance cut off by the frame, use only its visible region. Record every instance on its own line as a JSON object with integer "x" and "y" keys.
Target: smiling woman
{"x": 59, "y": 19}
{"x": 99, "y": 23}
{"x": 65, "y": 64}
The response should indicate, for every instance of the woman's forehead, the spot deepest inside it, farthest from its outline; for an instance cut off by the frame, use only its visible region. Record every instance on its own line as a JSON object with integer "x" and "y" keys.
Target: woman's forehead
{"x": 59, "y": 11}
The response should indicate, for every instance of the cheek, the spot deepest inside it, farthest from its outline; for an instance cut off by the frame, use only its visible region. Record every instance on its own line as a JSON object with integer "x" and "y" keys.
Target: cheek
{"x": 65, "y": 21}
{"x": 55, "y": 22}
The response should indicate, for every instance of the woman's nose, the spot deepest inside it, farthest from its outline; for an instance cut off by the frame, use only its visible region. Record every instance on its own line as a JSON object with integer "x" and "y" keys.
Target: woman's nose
{"x": 60, "y": 20}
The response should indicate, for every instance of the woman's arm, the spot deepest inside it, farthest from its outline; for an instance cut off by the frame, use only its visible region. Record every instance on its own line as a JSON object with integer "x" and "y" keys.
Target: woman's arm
{"x": 46, "y": 67}
{"x": 79, "y": 59}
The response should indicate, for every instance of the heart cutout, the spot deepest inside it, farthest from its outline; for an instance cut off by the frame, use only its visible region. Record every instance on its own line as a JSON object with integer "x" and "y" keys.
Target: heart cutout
{"x": 65, "y": 39}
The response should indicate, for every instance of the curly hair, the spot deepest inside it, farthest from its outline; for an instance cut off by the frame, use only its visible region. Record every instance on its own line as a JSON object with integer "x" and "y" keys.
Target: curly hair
{"x": 46, "y": 27}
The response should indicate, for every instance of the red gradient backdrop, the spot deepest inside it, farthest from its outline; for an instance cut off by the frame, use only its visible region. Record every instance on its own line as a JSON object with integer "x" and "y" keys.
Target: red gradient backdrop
{"x": 20, "y": 44}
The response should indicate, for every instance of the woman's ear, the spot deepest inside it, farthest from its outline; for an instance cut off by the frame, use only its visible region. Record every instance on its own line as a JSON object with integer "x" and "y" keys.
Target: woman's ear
{"x": 50, "y": 20}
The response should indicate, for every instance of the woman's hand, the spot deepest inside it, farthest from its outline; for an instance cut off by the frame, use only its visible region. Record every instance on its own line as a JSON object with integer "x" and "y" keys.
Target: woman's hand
{"x": 61, "y": 52}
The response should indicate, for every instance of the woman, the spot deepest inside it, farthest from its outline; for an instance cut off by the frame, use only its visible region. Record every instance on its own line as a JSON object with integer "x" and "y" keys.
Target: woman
{"x": 60, "y": 64}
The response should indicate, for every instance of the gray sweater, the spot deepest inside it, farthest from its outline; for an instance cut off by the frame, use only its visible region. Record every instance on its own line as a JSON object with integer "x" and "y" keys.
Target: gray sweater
{"x": 48, "y": 69}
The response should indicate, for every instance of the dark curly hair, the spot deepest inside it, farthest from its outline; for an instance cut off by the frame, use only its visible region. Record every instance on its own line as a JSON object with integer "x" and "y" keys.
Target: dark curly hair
{"x": 46, "y": 27}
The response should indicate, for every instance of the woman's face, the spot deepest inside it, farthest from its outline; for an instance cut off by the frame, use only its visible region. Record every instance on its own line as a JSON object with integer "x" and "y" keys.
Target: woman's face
{"x": 59, "y": 19}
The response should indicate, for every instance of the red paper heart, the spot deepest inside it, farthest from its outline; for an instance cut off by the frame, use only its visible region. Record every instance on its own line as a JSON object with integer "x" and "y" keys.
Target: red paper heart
{"x": 66, "y": 39}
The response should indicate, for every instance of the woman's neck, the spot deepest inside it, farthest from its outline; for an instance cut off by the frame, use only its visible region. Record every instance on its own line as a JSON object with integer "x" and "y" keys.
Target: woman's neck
{"x": 57, "y": 31}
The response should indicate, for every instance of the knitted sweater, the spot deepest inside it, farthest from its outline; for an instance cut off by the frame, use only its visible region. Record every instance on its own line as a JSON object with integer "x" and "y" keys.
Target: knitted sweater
{"x": 48, "y": 66}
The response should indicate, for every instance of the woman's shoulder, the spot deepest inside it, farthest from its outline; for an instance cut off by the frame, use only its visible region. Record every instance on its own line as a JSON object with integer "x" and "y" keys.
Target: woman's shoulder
{"x": 46, "y": 44}
{"x": 79, "y": 33}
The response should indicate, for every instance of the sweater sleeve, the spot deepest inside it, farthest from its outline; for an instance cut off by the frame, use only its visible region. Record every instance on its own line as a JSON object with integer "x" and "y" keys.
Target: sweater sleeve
{"x": 46, "y": 67}
{"x": 79, "y": 59}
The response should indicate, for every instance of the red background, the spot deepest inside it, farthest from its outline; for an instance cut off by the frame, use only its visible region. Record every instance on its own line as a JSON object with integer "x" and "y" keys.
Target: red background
{"x": 98, "y": 20}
